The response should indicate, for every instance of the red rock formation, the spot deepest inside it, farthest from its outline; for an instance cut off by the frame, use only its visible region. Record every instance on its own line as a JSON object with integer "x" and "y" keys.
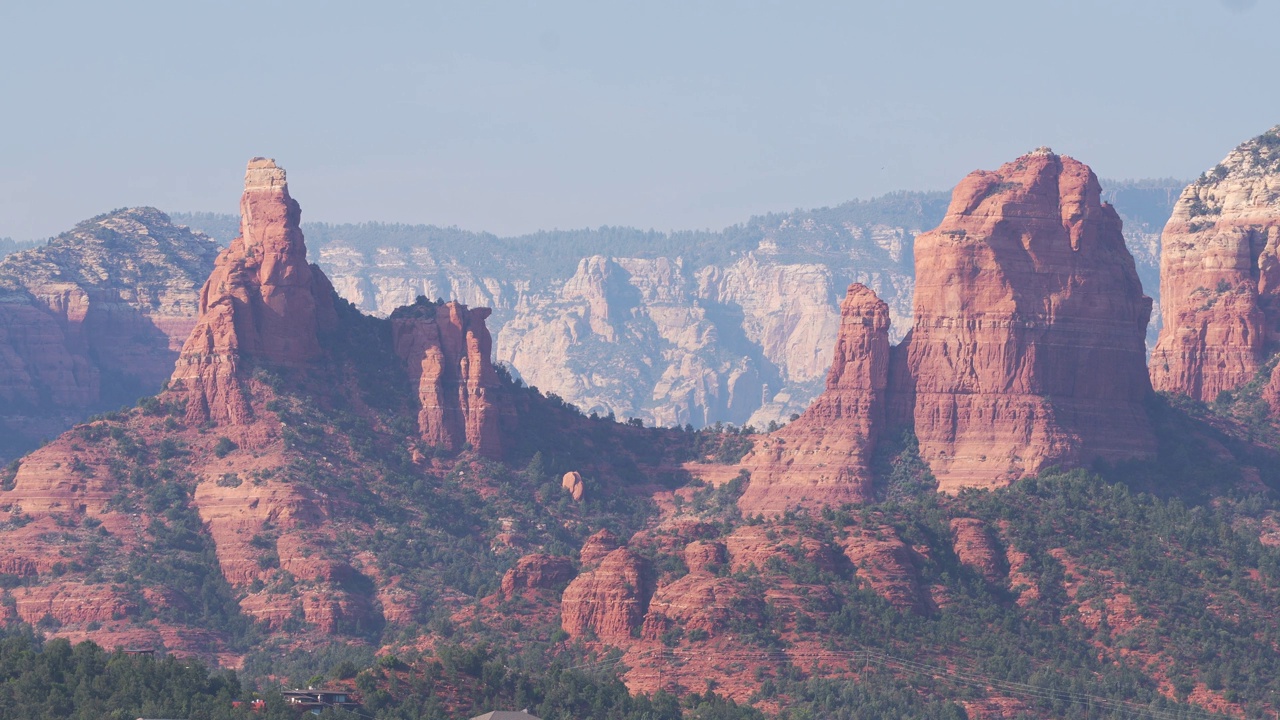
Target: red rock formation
{"x": 73, "y": 603}
{"x": 697, "y": 601}
{"x": 887, "y": 564}
{"x": 1220, "y": 275}
{"x": 572, "y": 482}
{"x": 975, "y": 548}
{"x": 704, "y": 555}
{"x": 823, "y": 457}
{"x": 1027, "y": 348}
{"x": 610, "y": 600}
{"x": 597, "y": 547}
{"x": 448, "y": 353}
{"x": 536, "y": 572}
{"x": 263, "y": 302}
{"x": 752, "y": 546}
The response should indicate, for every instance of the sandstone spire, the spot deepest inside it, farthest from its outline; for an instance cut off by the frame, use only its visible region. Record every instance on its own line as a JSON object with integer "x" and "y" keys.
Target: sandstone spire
{"x": 263, "y": 302}
{"x": 823, "y": 458}
{"x": 1027, "y": 348}
{"x": 1220, "y": 275}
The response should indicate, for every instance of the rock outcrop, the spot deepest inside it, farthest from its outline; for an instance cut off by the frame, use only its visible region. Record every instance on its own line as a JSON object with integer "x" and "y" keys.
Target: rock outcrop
{"x": 976, "y": 548}
{"x": 698, "y": 601}
{"x": 888, "y": 565}
{"x": 823, "y": 458}
{"x": 536, "y": 572}
{"x": 94, "y": 319}
{"x": 609, "y": 601}
{"x": 448, "y": 353}
{"x": 597, "y": 547}
{"x": 1220, "y": 275}
{"x": 572, "y": 483}
{"x": 262, "y": 303}
{"x": 1027, "y": 347}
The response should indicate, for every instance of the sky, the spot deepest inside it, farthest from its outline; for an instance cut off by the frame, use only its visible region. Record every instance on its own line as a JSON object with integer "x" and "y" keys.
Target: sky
{"x": 516, "y": 116}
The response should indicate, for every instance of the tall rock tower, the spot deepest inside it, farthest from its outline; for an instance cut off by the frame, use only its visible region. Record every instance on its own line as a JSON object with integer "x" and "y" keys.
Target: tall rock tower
{"x": 263, "y": 302}
{"x": 1027, "y": 348}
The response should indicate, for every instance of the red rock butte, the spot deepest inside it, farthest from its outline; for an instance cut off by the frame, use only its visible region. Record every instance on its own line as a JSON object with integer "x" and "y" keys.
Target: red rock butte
{"x": 1026, "y": 350}
{"x": 1220, "y": 276}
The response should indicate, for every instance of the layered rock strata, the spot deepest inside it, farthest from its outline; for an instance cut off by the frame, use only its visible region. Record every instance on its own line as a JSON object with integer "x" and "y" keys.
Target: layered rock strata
{"x": 535, "y": 572}
{"x": 1220, "y": 275}
{"x": 823, "y": 458}
{"x": 1027, "y": 347}
{"x": 263, "y": 302}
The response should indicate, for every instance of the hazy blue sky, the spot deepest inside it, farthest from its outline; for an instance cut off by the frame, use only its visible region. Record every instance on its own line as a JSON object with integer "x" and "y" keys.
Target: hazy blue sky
{"x": 515, "y": 116}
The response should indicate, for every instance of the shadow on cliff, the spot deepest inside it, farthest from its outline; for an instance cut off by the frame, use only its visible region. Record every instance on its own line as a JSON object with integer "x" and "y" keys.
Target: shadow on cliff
{"x": 121, "y": 356}
{"x": 1200, "y": 454}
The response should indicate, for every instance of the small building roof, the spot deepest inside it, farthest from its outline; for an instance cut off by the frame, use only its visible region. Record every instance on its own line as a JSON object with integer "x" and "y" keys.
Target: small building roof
{"x": 506, "y": 715}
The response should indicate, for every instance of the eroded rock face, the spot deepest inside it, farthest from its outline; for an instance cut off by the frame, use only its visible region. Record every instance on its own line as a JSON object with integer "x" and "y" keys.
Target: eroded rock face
{"x": 976, "y": 548}
{"x": 447, "y": 351}
{"x": 94, "y": 319}
{"x": 697, "y": 601}
{"x": 597, "y": 547}
{"x": 1027, "y": 348}
{"x": 1220, "y": 275}
{"x": 536, "y": 572}
{"x": 263, "y": 302}
{"x": 888, "y": 565}
{"x": 610, "y": 600}
{"x": 823, "y": 458}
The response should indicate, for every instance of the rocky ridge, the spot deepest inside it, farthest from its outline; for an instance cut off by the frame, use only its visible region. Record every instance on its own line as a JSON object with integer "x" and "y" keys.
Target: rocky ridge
{"x": 94, "y": 319}
{"x": 321, "y": 517}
